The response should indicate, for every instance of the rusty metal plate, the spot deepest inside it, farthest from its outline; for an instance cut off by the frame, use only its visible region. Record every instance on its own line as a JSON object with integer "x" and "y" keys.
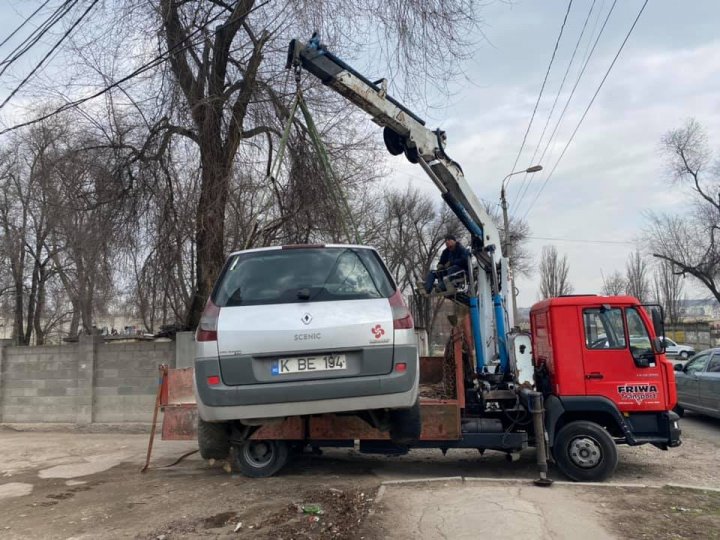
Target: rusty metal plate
{"x": 334, "y": 427}
{"x": 431, "y": 369}
{"x": 179, "y": 423}
{"x": 290, "y": 429}
{"x": 440, "y": 421}
{"x": 180, "y": 386}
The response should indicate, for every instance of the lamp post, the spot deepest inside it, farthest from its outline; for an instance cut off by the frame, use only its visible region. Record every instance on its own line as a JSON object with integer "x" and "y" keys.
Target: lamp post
{"x": 507, "y": 244}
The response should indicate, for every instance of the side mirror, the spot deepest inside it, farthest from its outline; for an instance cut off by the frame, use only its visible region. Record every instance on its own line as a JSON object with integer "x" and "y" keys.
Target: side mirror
{"x": 678, "y": 367}
{"x": 659, "y": 345}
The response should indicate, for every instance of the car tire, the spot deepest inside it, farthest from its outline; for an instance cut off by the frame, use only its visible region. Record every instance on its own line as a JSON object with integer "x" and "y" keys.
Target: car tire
{"x": 684, "y": 355}
{"x": 213, "y": 439}
{"x": 261, "y": 458}
{"x": 679, "y": 410}
{"x": 405, "y": 424}
{"x": 585, "y": 452}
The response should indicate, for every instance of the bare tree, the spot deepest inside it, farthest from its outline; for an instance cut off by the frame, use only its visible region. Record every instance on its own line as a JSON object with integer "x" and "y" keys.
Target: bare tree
{"x": 636, "y": 277}
{"x": 409, "y": 235}
{"x": 669, "y": 290}
{"x": 554, "y": 272}
{"x": 690, "y": 242}
{"x": 614, "y": 284}
{"x": 222, "y": 78}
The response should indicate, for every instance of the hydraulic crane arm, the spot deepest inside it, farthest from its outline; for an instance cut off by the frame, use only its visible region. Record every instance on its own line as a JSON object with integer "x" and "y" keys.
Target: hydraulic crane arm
{"x": 405, "y": 132}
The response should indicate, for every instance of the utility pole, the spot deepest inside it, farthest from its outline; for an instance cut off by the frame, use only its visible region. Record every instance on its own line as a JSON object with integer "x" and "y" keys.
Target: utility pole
{"x": 507, "y": 243}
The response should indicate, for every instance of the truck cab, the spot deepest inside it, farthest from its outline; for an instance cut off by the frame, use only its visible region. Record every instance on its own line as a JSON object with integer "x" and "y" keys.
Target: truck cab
{"x": 604, "y": 376}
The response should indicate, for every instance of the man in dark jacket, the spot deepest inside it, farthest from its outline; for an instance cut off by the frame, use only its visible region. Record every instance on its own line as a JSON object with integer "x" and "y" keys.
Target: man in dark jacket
{"x": 454, "y": 259}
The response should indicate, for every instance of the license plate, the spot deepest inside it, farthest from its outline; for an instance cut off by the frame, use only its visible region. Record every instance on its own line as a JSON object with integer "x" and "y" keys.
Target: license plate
{"x": 307, "y": 364}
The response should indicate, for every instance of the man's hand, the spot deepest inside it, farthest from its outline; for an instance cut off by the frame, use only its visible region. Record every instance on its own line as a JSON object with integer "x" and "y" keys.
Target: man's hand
{"x": 440, "y": 267}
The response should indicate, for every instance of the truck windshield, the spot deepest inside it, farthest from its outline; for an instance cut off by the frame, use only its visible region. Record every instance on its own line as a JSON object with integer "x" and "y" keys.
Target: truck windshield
{"x": 286, "y": 276}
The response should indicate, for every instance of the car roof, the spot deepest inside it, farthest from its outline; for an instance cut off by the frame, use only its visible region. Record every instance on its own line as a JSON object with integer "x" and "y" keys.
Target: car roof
{"x": 301, "y": 246}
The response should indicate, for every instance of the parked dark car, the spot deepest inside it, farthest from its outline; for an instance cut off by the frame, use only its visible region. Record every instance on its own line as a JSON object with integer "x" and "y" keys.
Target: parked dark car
{"x": 698, "y": 384}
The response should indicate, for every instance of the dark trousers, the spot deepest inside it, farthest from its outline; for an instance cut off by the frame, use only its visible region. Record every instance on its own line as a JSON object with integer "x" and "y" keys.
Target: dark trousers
{"x": 439, "y": 275}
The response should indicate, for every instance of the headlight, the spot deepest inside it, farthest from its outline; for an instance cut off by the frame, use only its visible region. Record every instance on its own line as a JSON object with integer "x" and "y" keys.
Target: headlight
{"x": 676, "y": 425}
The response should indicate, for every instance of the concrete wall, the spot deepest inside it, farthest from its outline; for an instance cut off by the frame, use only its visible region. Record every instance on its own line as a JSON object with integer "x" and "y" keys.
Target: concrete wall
{"x": 86, "y": 382}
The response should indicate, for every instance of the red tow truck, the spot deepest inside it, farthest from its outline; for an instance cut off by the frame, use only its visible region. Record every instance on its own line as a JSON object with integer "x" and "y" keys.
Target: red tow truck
{"x": 591, "y": 375}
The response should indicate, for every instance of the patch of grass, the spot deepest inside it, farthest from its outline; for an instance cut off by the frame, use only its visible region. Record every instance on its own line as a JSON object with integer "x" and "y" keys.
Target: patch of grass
{"x": 667, "y": 513}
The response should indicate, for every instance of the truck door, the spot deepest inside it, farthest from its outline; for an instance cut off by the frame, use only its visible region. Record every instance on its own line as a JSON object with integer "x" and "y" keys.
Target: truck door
{"x": 618, "y": 359}
{"x": 709, "y": 383}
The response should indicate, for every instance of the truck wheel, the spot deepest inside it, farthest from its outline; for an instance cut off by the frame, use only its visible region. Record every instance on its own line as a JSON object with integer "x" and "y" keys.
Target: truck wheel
{"x": 585, "y": 452}
{"x": 680, "y": 411}
{"x": 213, "y": 439}
{"x": 405, "y": 424}
{"x": 260, "y": 459}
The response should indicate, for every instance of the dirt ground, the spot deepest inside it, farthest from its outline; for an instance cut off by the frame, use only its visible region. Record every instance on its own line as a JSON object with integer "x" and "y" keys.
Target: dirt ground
{"x": 88, "y": 485}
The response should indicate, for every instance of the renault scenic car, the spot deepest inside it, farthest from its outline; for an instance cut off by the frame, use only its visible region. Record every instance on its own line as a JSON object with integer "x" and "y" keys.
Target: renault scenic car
{"x": 304, "y": 329}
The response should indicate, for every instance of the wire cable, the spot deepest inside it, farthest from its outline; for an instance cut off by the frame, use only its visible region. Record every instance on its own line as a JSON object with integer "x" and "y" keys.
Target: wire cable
{"x": 158, "y": 60}
{"x": 49, "y": 53}
{"x": 542, "y": 88}
{"x": 36, "y": 35}
{"x": 582, "y": 118}
{"x": 572, "y": 92}
{"x": 525, "y": 183}
{"x": 22, "y": 24}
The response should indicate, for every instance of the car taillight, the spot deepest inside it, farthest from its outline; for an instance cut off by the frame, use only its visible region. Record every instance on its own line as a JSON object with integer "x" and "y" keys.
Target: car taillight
{"x": 207, "y": 329}
{"x": 402, "y": 318}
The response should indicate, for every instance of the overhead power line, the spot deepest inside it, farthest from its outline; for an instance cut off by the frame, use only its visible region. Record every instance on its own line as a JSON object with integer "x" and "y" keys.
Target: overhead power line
{"x": 559, "y": 120}
{"x": 582, "y": 118}
{"x": 36, "y": 35}
{"x": 542, "y": 88}
{"x": 158, "y": 60}
{"x": 22, "y": 24}
{"x": 525, "y": 184}
{"x": 49, "y": 53}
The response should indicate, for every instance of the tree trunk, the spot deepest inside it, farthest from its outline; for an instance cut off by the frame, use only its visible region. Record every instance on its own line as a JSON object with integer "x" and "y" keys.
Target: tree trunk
{"x": 209, "y": 229}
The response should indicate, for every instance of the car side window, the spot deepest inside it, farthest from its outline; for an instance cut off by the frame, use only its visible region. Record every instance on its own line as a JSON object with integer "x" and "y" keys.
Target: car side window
{"x": 714, "y": 365}
{"x": 604, "y": 328}
{"x": 697, "y": 364}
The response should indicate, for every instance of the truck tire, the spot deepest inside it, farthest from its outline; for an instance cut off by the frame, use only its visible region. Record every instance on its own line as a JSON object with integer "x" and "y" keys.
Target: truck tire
{"x": 405, "y": 424}
{"x": 213, "y": 439}
{"x": 260, "y": 459}
{"x": 679, "y": 410}
{"x": 585, "y": 452}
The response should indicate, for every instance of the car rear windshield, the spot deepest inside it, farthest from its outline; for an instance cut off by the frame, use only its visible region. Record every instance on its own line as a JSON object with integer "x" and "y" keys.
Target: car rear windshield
{"x": 286, "y": 276}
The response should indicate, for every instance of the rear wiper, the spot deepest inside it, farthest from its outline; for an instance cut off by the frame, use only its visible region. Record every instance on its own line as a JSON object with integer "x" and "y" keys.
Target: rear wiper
{"x": 303, "y": 294}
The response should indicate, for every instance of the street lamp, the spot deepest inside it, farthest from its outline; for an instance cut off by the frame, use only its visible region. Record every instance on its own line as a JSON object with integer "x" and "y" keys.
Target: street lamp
{"x": 507, "y": 247}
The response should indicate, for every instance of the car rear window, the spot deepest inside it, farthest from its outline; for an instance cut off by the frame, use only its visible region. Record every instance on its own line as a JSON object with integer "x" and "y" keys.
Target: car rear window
{"x": 286, "y": 276}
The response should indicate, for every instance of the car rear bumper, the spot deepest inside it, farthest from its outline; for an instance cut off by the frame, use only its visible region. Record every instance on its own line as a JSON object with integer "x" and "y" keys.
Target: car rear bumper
{"x": 301, "y": 397}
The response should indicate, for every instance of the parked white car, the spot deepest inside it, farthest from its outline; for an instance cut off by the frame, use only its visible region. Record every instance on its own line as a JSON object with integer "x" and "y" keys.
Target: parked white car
{"x": 302, "y": 330}
{"x": 677, "y": 351}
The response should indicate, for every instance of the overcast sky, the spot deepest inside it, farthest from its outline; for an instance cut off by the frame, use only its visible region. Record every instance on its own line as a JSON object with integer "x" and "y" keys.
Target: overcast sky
{"x": 613, "y": 172}
{"x": 594, "y": 204}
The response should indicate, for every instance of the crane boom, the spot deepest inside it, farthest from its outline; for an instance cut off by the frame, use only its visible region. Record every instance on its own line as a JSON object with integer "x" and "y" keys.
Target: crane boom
{"x": 406, "y": 133}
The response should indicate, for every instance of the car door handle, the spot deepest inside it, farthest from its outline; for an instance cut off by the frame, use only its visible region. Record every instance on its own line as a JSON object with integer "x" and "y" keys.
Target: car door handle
{"x": 594, "y": 375}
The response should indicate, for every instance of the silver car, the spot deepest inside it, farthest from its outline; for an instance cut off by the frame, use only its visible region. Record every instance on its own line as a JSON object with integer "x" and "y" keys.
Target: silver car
{"x": 698, "y": 384}
{"x": 677, "y": 350}
{"x": 300, "y": 330}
